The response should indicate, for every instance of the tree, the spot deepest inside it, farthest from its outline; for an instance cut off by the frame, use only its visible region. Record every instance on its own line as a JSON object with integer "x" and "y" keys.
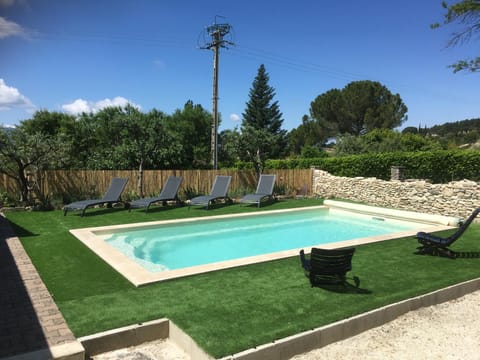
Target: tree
{"x": 309, "y": 133}
{"x": 327, "y": 110}
{"x": 467, "y": 13}
{"x": 50, "y": 123}
{"x": 358, "y": 108}
{"x": 55, "y": 124}
{"x": 145, "y": 141}
{"x": 385, "y": 140}
{"x": 24, "y": 155}
{"x": 262, "y": 136}
{"x": 126, "y": 138}
{"x": 254, "y": 145}
{"x": 192, "y": 128}
{"x": 228, "y": 141}
{"x": 309, "y": 152}
{"x": 100, "y": 136}
{"x": 410, "y": 130}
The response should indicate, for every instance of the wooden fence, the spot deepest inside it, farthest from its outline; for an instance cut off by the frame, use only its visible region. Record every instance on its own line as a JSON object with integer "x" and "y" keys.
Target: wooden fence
{"x": 92, "y": 183}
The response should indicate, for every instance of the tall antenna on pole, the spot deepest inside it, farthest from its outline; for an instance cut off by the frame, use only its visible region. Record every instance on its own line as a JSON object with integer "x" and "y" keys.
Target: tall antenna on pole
{"x": 217, "y": 32}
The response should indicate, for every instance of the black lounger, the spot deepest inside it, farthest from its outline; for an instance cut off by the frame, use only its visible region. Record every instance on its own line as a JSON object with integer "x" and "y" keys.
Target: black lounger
{"x": 433, "y": 245}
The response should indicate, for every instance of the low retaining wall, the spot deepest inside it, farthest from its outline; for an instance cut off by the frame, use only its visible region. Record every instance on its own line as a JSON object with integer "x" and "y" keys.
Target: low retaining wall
{"x": 457, "y": 198}
{"x": 281, "y": 349}
{"x": 286, "y": 348}
{"x": 139, "y": 334}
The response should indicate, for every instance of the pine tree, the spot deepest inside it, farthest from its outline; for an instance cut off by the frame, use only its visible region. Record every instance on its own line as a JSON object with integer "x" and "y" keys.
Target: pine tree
{"x": 262, "y": 112}
{"x": 262, "y": 134}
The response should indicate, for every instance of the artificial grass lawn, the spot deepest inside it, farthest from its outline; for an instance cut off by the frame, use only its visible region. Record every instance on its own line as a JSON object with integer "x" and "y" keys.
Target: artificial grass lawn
{"x": 230, "y": 310}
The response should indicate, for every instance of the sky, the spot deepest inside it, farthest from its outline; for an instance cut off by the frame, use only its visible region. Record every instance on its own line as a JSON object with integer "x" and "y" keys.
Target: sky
{"x": 73, "y": 56}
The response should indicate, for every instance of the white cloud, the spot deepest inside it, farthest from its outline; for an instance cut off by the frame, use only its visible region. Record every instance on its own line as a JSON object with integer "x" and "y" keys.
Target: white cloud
{"x": 83, "y": 106}
{"x": 8, "y": 126}
{"x": 235, "y": 117}
{"x": 77, "y": 107}
{"x": 10, "y": 28}
{"x": 10, "y": 98}
{"x": 117, "y": 101}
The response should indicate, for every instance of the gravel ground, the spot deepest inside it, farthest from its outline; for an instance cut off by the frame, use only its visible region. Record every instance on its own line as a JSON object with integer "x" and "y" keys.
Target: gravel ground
{"x": 446, "y": 331}
{"x": 154, "y": 350}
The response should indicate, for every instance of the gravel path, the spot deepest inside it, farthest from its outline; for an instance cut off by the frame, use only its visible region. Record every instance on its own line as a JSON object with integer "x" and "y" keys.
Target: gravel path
{"x": 154, "y": 350}
{"x": 446, "y": 331}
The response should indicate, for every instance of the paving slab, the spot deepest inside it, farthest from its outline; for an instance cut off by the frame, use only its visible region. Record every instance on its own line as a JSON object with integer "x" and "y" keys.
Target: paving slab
{"x": 30, "y": 320}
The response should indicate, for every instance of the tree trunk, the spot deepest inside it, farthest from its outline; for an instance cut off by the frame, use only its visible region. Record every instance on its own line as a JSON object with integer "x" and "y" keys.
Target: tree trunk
{"x": 258, "y": 164}
{"x": 23, "y": 184}
{"x": 140, "y": 179}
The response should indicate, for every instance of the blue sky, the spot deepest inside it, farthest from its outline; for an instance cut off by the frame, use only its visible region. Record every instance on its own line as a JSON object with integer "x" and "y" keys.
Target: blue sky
{"x": 71, "y": 56}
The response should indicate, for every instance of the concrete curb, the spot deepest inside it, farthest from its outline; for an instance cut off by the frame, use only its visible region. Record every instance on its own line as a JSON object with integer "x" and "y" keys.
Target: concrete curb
{"x": 141, "y": 333}
{"x": 288, "y": 347}
{"x": 125, "y": 337}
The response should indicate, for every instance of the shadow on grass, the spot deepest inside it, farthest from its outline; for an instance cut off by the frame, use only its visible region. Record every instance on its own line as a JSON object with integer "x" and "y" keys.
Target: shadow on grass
{"x": 20, "y": 231}
{"x": 214, "y": 205}
{"x": 344, "y": 288}
{"x": 154, "y": 209}
{"x": 467, "y": 254}
{"x": 262, "y": 204}
{"x": 450, "y": 254}
{"x": 98, "y": 211}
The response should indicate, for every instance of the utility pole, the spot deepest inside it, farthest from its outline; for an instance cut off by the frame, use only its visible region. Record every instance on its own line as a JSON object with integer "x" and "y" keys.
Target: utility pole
{"x": 217, "y": 32}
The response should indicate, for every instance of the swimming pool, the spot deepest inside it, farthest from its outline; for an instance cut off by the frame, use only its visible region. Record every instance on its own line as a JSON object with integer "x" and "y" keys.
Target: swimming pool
{"x": 150, "y": 252}
{"x": 200, "y": 242}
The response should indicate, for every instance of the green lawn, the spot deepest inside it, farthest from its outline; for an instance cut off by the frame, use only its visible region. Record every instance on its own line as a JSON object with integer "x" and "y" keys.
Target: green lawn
{"x": 231, "y": 310}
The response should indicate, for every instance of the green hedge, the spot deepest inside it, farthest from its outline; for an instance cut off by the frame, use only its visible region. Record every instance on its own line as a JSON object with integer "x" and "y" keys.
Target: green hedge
{"x": 437, "y": 166}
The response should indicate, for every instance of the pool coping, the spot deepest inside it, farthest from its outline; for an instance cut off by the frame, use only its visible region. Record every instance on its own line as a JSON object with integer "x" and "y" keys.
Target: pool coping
{"x": 139, "y": 276}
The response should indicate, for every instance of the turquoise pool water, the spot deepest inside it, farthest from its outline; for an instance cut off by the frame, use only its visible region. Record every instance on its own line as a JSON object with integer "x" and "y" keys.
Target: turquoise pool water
{"x": 186, "y": 244}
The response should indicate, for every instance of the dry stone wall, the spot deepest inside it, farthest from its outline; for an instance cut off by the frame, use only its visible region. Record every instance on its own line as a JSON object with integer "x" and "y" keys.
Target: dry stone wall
{"x": 457, "y": 198}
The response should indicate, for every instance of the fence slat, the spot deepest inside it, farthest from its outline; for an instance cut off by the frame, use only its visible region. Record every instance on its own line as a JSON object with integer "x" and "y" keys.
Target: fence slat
{"x": 90, "y": 183}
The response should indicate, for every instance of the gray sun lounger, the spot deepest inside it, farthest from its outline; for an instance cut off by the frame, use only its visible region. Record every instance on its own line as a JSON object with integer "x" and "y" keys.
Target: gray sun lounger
{"x": 113, "y": 195}
{"x": 219, "y": 191}
{"x": 264, "y": 190}
{"x": 168, "y": 193}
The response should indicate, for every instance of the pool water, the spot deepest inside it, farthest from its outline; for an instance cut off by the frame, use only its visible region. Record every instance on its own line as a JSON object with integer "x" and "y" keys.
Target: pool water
{"x": 186, "y": 244}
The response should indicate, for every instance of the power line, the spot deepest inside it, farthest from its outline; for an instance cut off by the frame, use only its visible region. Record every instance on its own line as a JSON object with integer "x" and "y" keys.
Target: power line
{"x": 295, "y": 64}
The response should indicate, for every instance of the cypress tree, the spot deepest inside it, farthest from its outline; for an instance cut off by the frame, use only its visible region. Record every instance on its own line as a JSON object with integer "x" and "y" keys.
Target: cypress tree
{"x": 262, "y": 113}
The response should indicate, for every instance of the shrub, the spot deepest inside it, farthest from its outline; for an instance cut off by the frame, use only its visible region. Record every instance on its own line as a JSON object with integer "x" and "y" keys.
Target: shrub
{"x": 6, "y": 200}
{"x": 439, "y": 166}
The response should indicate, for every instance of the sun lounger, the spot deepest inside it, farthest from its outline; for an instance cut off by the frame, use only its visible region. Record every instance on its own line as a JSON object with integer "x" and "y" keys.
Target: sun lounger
{"x": 218, "y": 192}
{"x": 168, "y": 193}
{"x": 264, "y": 190}
{"x": 113, "y": 195}
{"x": 431, "y": 244}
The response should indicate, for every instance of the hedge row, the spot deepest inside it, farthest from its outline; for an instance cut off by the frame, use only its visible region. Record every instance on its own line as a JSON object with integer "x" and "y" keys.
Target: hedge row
{"x": 437, "y": 166}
